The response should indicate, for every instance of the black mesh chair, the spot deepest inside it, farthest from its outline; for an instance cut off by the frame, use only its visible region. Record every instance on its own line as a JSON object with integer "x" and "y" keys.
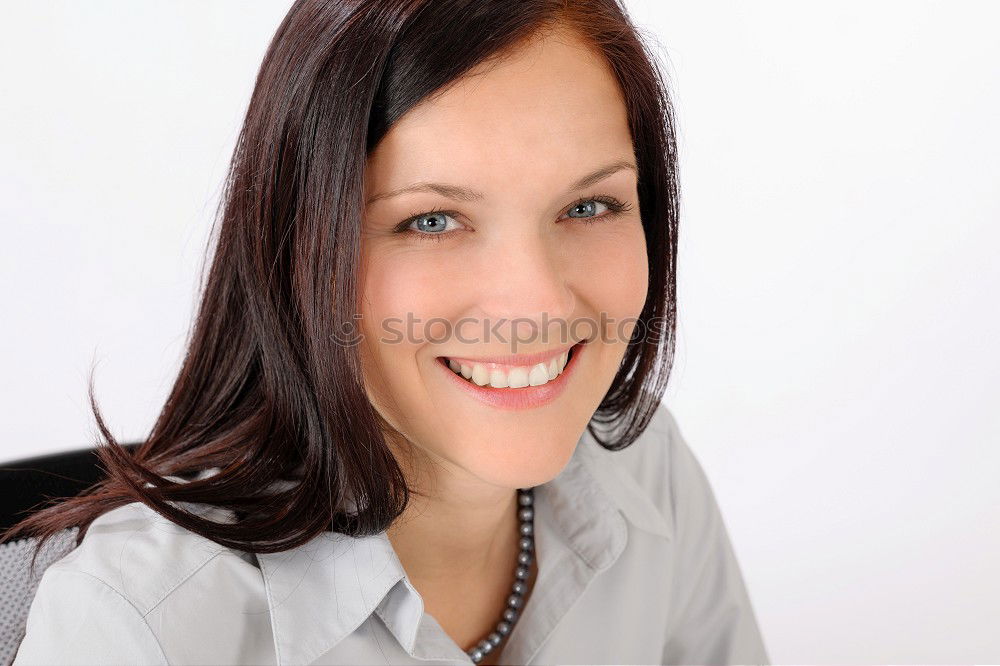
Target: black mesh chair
{"x": 24, "y": 486}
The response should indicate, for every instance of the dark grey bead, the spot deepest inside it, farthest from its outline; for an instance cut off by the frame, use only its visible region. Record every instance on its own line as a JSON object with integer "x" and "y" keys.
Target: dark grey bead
{"x": 526, "y": 513}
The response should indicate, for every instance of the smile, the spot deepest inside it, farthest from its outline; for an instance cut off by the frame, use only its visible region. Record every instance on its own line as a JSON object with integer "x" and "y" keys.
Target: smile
{"x": 514, "y": 386}
{"x": 501, "y": 375}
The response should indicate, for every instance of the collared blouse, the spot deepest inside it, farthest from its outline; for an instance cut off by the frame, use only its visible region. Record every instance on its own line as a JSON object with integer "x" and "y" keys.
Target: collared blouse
{"x": 635, "y": 566}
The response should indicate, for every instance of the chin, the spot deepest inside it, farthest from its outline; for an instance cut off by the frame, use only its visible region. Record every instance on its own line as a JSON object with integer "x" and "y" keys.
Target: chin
{"x": 527, "y": 462}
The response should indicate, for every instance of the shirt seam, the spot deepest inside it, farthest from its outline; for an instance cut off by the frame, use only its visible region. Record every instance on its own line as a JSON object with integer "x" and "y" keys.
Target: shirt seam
{"x": 184, "y": 578}
{"x": 139, "y": 613}
{"x": 275, "y": 630}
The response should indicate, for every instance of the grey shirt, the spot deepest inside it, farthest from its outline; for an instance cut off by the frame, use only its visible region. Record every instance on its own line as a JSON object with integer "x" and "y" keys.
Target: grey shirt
{"x": 634, "y": 567}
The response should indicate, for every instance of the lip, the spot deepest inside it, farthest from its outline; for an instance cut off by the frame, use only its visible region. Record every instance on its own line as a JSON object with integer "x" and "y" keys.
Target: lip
{"x": 528, "y": 397}
{"x": 519, "y": 360}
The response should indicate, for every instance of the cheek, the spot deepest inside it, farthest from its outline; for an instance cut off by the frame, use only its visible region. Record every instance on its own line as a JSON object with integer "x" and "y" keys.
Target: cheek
{"x": 402, "y": 292}
{"x": 611, "y": 270}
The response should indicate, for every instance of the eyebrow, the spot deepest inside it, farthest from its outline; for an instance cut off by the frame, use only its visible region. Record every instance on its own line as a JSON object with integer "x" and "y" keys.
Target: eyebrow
{"x": 459, "y": 193}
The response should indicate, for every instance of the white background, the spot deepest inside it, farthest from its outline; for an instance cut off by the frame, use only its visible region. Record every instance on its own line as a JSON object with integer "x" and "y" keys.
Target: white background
{"x": 837, "y": 371}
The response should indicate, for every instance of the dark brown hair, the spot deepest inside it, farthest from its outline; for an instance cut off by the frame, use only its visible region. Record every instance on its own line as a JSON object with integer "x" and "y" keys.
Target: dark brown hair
{"x": 265, "y": 392}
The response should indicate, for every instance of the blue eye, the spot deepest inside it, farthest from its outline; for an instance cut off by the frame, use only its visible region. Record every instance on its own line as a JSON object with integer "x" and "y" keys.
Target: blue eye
{"x": 431, "y": 222}
{"x": 584, "y": 209}
{"x": 434, "y": 224}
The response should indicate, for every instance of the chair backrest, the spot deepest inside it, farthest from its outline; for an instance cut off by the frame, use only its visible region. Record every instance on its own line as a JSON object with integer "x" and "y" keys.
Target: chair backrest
{"x": 24, "y": 485}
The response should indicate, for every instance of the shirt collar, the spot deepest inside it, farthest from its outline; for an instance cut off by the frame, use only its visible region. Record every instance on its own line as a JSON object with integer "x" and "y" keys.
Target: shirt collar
{"x": 320, "y": 592}
{"x": 614, "y": 482}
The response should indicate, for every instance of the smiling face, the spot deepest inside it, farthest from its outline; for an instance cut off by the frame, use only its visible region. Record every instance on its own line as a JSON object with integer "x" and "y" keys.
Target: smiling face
{"x": 520, "y": 238}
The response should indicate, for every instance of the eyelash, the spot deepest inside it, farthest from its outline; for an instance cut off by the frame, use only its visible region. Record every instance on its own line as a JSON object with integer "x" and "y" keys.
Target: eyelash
{"x": 615, "y": 207}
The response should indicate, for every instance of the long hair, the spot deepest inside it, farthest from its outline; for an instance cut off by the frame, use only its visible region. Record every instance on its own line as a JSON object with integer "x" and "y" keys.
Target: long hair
{"x": 266, "y": 392}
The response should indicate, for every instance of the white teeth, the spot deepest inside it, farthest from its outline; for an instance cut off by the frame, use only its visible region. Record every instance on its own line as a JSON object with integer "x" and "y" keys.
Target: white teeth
{"x": 480, "y": 374}
{"x": 517, "y": 378}
{"x": 498, "y": 379}
{"x": 538, "y": 375}
{"x": 511, "y": 377}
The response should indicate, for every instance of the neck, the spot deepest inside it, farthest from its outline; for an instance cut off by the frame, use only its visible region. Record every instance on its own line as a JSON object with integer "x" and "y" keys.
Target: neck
{"x": 460, "y": 532}
{"x": 458, "y": 542}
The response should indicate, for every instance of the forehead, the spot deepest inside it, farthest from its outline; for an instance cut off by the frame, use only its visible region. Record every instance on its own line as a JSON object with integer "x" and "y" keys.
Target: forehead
{"x": 549, "y": 106}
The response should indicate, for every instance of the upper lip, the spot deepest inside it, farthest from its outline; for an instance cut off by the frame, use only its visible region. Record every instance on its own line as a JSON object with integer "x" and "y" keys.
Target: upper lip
{"x": 514, "y": 359}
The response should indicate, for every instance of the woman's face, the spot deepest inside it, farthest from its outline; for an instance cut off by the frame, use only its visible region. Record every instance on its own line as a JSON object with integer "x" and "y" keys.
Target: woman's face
{"x": 507, "y": 254}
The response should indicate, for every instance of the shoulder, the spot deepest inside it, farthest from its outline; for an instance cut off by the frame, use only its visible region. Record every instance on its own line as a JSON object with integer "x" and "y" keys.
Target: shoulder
{"x": 146, "y": 576}
{"x": 142, "y": 555}
{"x": 75, "y": 618}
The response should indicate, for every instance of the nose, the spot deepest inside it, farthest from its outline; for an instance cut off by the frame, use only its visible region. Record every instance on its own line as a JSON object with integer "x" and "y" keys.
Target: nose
{"x": 525, "y": 276}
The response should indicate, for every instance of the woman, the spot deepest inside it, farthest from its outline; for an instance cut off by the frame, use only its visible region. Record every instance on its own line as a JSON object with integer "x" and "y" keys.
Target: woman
{"x": 418, "y": 418}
